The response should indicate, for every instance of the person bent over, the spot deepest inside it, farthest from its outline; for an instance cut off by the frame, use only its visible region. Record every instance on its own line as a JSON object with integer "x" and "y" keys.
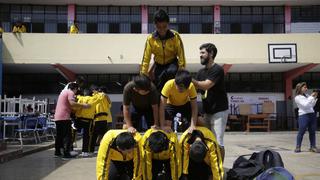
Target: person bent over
{"x": 119, "y": 156}
{"x": 200, "y": 155}
{"x": 160, "y": 155}
{"x": 178, "y": 95}
{"x": 141, "y": 96}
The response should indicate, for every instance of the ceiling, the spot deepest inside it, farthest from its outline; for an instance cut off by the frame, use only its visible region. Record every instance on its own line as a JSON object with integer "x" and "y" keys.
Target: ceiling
{"x": 167, "y": 2}
{"x": 133, "y": 68}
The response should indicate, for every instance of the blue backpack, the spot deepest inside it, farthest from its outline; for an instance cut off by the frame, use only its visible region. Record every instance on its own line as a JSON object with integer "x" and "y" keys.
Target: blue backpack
{"x": 275, "y": 173}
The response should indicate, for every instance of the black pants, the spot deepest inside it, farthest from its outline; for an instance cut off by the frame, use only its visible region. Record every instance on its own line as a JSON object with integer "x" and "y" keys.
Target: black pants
{"x": 161, "y": 170}
{"x": 197, "y": 171}
{"x": 86, "y": 136}
{"x": 63, "y": 139}
{"x": 99, "y": 129}
{"x": 163, "y": 73}
{"x": 121, "y": 170}
{"x": 136, "y": 118}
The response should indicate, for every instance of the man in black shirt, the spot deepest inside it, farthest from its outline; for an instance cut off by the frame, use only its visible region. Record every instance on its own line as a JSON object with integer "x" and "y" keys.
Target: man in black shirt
{"x": 210, "y": 82}
{"x": 143, "y": 96}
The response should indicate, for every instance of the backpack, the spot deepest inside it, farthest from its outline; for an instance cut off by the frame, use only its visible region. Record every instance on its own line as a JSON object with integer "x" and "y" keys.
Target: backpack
{"x": 244, "y": 169}
{"x": 275, "y": 173}
{"x": 268, "y": 158}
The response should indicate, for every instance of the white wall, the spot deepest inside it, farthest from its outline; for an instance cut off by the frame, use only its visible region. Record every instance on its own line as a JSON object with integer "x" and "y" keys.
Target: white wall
{"x": 33, "y": 48}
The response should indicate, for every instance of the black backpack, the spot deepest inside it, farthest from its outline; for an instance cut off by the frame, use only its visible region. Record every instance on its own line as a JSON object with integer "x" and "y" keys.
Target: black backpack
{"x": 247, "y": 169}
{"x": 268, "y": 158}
{"x": 244, "y": 169}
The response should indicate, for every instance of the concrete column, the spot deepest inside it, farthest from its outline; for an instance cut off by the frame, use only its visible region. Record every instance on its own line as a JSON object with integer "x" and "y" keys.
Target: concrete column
{"x": 226, "y": 68}
{"x": 217, "y": 19}
{"x": 287, "y": 17}
{"x": 0, "y": 67}
{"x": 293, "y": 73}
{"x": 71, "y": 14}
{"x": 144, "y": 19}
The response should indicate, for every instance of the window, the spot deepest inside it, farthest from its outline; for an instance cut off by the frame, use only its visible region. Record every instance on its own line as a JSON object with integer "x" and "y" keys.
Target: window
{"x": 38, "y": 27}
{"x": 62, "y": 28}
{"x": 114, "y": 28}
{"x": 92, "y": 28}
{"x": 186, "y": 19}
{"x": 252, "y": 19}
{"x": 235, "y": 28}
{"x": 135, "y": 27}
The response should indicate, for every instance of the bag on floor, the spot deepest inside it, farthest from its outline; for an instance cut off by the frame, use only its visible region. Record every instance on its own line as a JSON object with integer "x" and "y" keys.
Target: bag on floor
{"x": 268, "y": 158}
{"x": 244, "y": 169}
{"x": 275, "y": 173}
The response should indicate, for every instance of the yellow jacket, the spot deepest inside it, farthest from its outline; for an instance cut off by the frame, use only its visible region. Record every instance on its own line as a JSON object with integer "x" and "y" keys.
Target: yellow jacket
{"x": 21, "y": 29}
{"x": 173, "y": 153}
{"x": 103, "y": 108}
{"x": 73, "y": 29}
{"x": 87, "y": 114}
{"x": 213, "y": 156}
{"x": 107, "y": 153}
{"x": 164, "y": 51}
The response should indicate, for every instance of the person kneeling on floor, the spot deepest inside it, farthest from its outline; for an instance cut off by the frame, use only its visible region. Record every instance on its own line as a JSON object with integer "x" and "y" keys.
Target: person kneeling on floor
{"x": 160, "y": 154}
{"x": 119, "y": 156}
{"x": 200, "y": 155}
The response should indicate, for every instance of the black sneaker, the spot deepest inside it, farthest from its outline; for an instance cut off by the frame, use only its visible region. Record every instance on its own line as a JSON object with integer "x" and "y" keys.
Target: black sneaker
{"x": 297, "y": 150}
{"x": 314, "y": 149}
{"x": 67, "y": 156}
{"x": 57, "y": 155}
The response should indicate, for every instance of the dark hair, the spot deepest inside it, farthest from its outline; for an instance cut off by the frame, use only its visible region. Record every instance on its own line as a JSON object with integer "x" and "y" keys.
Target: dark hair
{"x": 94, "y": 87}
{"x": 210, "y": 48}
{"x": 73, "y": 86}
{"x": 102, "y": 89}
{"x": 142, "y": 82}
{"x": 125, "y": 141}
{"x": 183, "y": 77}
{"x": 160, "y": 16}
{"x": 198, "y": 151}
{"x": 87, "y": 92}
{"x": 158, "y": 142}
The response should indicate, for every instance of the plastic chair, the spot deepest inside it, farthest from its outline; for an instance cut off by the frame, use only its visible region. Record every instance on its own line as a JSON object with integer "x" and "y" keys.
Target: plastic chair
{"x": 43, "y": 128}
{"x": 29, "y": 127}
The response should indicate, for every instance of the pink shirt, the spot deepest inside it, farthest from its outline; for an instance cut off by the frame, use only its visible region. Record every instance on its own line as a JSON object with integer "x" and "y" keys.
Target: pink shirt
{"x": 63, "y": 108}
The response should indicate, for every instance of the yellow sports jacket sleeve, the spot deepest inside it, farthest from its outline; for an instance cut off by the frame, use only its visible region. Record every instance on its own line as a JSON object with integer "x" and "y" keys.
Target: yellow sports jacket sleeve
{"x": 137, "y": 173}
{"x": 146, "y": 156}
{"x": 103, "y": 158}
{"x": 175, "y": 156}
{"x": 180, "y": 50}
{"x": 216, "y": 161}
{"x": 146, "y": 57}
{"x": 185, "y": 147}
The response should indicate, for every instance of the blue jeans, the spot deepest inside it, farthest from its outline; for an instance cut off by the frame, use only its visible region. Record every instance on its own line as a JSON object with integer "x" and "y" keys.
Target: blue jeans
{"x": 307, "y": 121}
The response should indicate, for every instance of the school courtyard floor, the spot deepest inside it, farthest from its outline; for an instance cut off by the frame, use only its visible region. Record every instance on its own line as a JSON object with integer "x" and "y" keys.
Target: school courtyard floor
{"x": 43, "y": 165}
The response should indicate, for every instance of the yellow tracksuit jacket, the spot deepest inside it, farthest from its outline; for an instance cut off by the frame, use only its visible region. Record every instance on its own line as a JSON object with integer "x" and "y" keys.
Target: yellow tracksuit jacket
{"x": 173, "y": 153}
{"x": 106, "y": 153}
{"x": 88, "y": 113}
{"x": 213, "y": 156}
{"x": 103, "y": 108}
{"x": 165, "y": 50}
{"x": 73, "y": 29}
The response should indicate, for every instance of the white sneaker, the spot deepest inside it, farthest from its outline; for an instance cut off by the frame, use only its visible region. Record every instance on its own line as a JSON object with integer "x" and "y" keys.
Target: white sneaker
{"x": 73, "y": 126}
{"x": 74, "y": 153}
{"x": 85, "y": 154}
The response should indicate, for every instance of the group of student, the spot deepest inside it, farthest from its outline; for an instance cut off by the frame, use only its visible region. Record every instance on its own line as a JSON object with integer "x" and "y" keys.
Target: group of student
{"x": 159, "y": 155}
{"x": 95, "y": 120}
{"x": 157, "y": 96}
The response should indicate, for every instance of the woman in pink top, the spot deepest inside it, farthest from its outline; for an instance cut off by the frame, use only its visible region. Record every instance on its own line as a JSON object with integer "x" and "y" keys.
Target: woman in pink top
{"x": 62, "y": 119}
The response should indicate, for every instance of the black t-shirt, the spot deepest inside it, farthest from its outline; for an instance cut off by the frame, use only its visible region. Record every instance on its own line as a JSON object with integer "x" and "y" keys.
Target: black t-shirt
{"x": 214, "y": 99}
